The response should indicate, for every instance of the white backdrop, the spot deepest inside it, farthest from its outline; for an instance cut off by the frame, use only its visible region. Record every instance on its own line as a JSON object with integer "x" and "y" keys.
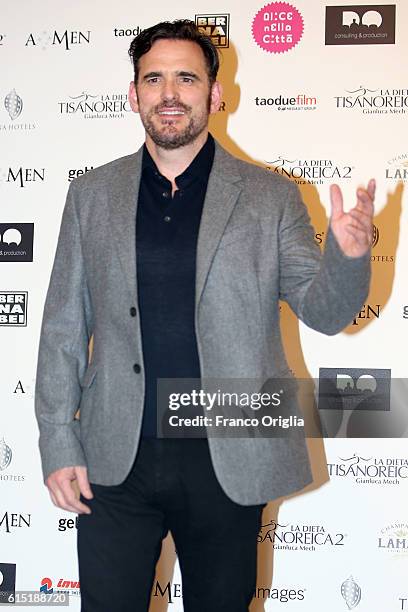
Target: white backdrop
{"x": 54, "y": 56}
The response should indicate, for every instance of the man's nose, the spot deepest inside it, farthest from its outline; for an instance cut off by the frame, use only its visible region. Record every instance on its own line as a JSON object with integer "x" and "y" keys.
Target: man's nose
{"x": 169, "y": 91}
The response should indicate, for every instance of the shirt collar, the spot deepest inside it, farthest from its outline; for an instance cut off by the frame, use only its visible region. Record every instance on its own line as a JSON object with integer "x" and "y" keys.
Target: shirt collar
{"x": 199, "y": 169}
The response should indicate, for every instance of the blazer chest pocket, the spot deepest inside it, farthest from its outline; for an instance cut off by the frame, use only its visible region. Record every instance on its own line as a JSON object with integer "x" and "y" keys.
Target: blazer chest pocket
{"x": 89, "y": 376}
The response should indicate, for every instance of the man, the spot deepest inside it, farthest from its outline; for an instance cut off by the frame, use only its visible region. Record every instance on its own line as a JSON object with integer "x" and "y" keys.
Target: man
{"x": 174, "y": 259}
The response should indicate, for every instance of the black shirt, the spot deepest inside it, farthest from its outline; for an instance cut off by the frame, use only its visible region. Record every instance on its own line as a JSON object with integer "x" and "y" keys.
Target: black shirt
{"x": 166, "y": 240}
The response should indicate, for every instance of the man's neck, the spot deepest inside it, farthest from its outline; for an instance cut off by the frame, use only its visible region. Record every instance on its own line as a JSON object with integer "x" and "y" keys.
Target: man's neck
{"x": 173, "y": 162}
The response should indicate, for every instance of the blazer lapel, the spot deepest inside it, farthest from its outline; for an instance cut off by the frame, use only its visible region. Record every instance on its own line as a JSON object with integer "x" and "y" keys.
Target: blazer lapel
{"x": 224, "y": 187}
{"x": 122, "y": 210}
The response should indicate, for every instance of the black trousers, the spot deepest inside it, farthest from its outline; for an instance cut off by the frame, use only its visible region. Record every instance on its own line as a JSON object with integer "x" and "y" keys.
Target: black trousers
{"x": 172, "y": 486}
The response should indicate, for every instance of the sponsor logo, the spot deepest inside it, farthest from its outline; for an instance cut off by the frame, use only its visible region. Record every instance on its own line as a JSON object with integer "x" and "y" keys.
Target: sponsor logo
{"x": 22, "y": 176}
{"x": 127, "y": 31}
{"x": 172, "y": 591}
{"x": 100, "y": 106}
{"x": 379, "y": 258}
{"x": 376, "y": 236}
{"x": 310, "y": 171}
{"x": 403, "y": 601}
{"x": 2, "y": 37}
{"x": 279, "y": 594}
{"x": 71, "y": 587}
{"x": 13, "y": 104}
{"x": 64, "y": 524}
{"x": 394, "y": 539}
{"x": 13, "y": 520}
{"x": 374, "y": 101}
{"x": 367, "y": 312}
{"x": 397, "y": 168}
{"x": 299, "y": 536}
{"x": 405, "y": 312}
{"x": 370, "y": 470}
{"x": 13, "y": 308}
{"x": 65, "y": 39}
{"x": 216, "y": 27}
{"x": 79, "y": 172}
{"x": 6, "y": 455}
{"x": 294, "y": 102}
{"x": 368, "y": 24}
{"x": 7, "y": 581}
{"x": 16, "y": 241}
{"x": 351, "y": 593}
{"x": 354, "y": 389}
{"x": 277, "y": 27}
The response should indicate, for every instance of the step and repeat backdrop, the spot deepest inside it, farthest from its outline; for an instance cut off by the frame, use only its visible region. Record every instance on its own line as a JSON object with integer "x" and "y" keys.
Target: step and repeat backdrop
{"x": 313, "y": 90}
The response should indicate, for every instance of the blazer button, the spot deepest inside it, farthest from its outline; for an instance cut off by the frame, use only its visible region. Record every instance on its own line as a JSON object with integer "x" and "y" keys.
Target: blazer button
{"x": 133, "y": 311}
{"x": 136, "y": 368}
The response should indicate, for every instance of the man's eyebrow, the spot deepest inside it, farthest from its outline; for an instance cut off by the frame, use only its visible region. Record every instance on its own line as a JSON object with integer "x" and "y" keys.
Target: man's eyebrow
{"x": 149, "y": 75}
{"x": 186, "y": 73}
{"x": 182, "y": 73}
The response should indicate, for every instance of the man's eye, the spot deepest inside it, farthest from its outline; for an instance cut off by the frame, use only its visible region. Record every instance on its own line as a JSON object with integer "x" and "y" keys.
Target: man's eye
{"x": 153, "y": 80}
{"x": 187, "y": 79}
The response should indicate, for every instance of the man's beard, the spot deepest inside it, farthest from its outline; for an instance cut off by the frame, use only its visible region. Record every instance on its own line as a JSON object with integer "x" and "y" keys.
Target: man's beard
{"x": 168, "y": 136}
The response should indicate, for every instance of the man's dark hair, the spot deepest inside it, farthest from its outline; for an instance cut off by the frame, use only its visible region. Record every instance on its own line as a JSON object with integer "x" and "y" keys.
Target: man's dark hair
{"x": 181, "y": 29}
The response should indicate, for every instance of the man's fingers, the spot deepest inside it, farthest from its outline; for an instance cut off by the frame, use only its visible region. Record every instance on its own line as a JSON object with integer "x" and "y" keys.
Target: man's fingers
{"x": 69, "y": 497}
{"x": 371, "y": 188}
{"x": 360, "y": 235}
{"x": 365, "y": 198}
{"x": 361, "y": 217}
{"x": 83, "y": 482}
{"x": 61, "y": 500}
{"x": 336, "y": 198}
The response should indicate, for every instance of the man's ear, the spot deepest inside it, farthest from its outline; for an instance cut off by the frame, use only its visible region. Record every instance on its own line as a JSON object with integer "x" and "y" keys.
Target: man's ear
{"x": 216, "y": 97}
{"x": 132, "y": 97}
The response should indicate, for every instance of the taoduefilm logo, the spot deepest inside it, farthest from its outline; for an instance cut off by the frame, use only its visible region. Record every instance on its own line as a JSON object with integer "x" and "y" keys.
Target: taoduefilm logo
{"x": 374, "y": 101}
{"x": 65, "y": 39}
{"x": 367, "y": 24}
{"x": 299, "y": 536}
{"x": 292, "y": 102}
{"x": 120, "y": 32}
{"x": 13, "y": 105}
{"x": 16, "y": 241}
{"x": 13, "y": 310}
{"x": 6, "y": 456}
{"x": 394, "y": 539}
{"x": 351, "y": 593}
{"x": 397, "y": 168}
{"x": 22, "y": 177}
{"x": 96, "y": 106}
{"x": 216, "y": 26}
{"x": 71, "y": 587}
{"x": 277, "y": 27}
{"x": 370, "y": 470}
{"x": 310, "y": 171}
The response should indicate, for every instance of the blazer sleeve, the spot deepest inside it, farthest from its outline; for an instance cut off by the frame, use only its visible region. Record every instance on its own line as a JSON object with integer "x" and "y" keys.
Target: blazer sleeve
{"x": 325, "y": 291}
{"x": 63, "y": 348}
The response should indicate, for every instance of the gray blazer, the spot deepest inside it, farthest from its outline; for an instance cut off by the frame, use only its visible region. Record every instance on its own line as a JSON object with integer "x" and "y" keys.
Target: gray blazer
{"x": 255, "y": 247}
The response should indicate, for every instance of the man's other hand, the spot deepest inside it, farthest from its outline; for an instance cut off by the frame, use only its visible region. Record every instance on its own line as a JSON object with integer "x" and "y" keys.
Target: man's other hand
{"x": 62, "y": 493}
{"x": 353, "y": 230}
